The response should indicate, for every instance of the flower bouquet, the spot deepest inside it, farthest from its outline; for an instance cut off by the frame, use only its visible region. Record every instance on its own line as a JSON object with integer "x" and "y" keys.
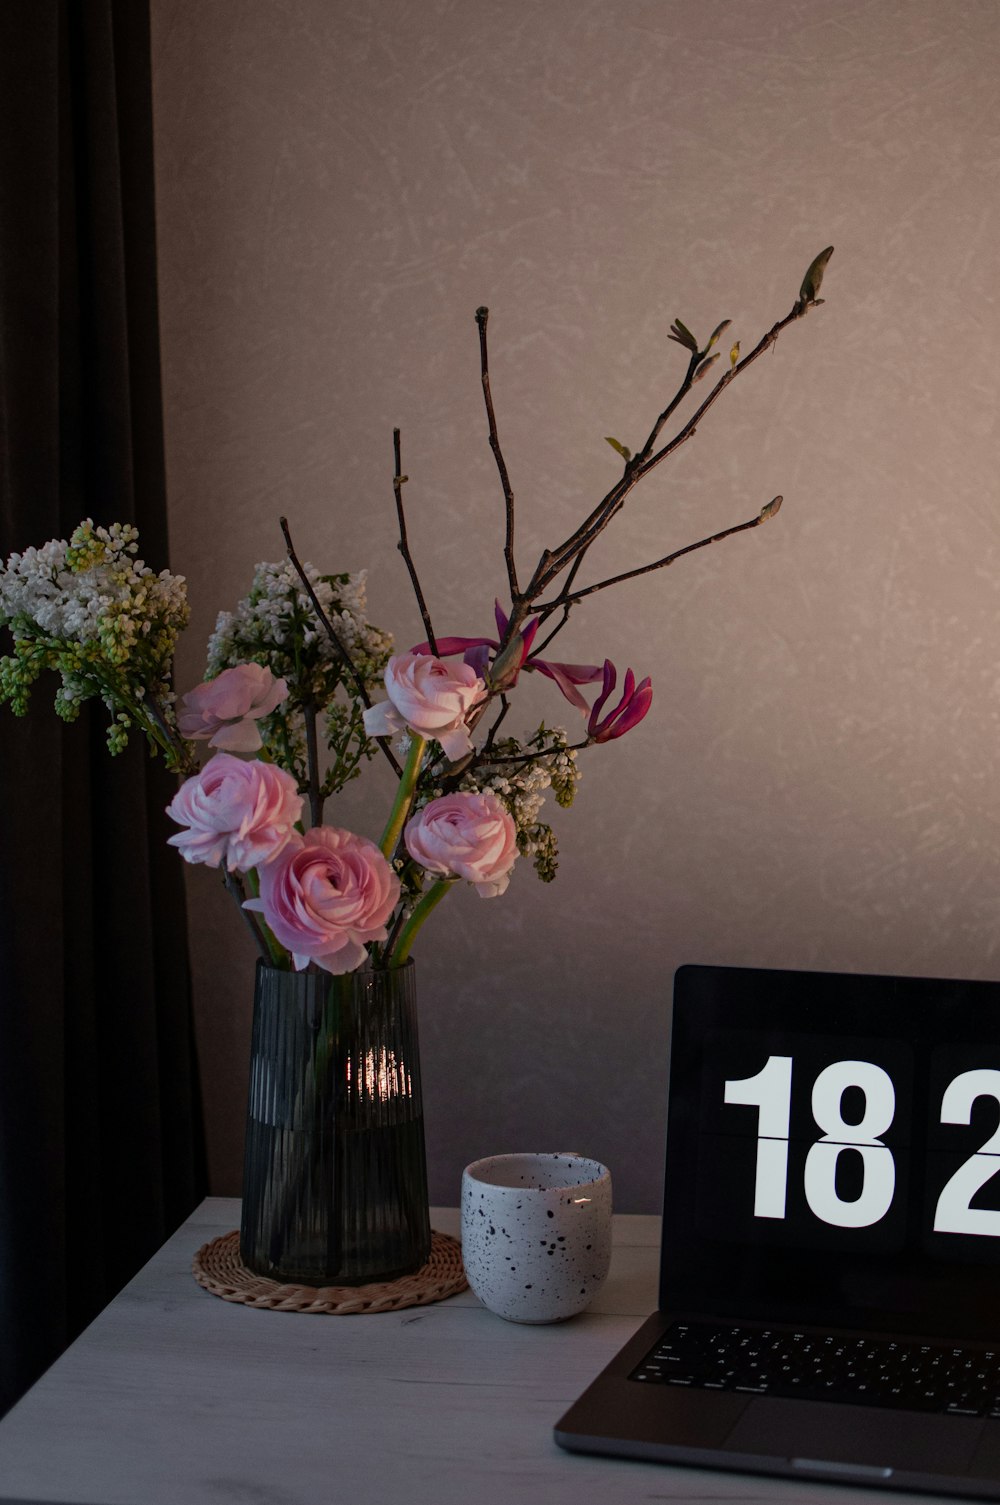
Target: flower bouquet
{"x": 301, "y": 692}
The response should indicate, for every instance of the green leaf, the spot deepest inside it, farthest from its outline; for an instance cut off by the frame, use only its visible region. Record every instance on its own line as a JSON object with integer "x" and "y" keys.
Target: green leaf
{"x": 705, "y": 367}
{"x": 716, "y": 333}
{"x": 683, "y": 336}
{"x": 812, "y": 281}
{"x": 622, "y": 449}
{"x": 770, "y": 509}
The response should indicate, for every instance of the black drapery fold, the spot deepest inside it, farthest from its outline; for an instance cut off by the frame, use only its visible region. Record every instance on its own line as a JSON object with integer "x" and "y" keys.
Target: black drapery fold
{"x": 101, "y": 1151}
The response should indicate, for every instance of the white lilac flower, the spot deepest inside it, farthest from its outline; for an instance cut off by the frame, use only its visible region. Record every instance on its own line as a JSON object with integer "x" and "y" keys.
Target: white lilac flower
{"x": 276, "y": 625}
{"x": 94, "y": 591}
{"x": 277, "y": 614}
{"x": 95, "y": 613}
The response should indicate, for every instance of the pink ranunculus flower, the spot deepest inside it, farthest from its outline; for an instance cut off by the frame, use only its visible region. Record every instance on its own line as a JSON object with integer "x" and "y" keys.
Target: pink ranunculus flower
{"x": 225, "y": 710}
{"x": 431, "y": 698}
{"x": 237, "y": 812}
{"x": 325, "y": 895}
{"x": 465, "y": 835}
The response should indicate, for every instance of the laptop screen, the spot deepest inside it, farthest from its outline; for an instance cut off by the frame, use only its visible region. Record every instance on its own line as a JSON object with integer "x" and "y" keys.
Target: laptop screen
{"x": 833, "y": 1151}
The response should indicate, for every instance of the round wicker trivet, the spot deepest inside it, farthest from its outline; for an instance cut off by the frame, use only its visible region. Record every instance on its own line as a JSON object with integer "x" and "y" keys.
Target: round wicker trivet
{"x": 217, "y": 1267}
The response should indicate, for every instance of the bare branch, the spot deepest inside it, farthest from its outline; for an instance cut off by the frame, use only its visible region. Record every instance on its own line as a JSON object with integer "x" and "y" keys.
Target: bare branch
{"x": 670, "y": 409}
{"x": 534, "y": 584}
{"x": 491, "y": 734}
{"x": 765, "y": 514}
{"x": 560, "y": 600}
{"x": 397, "y": 925}
{"x": 403, "y": 546}
{"x": 312, "y": 762}
{"x": 234, "y": 887}
{"x": 612, "y": 501}
{"x": 640, "y": 465}
{"x": 321, "y": 614}
{"x": 554, "y": 561}
{"x": 553, "y": 607}
{"x": 359, "y": 683}
{"x": 482, "y": 315}
{"x": 533, "y": 757}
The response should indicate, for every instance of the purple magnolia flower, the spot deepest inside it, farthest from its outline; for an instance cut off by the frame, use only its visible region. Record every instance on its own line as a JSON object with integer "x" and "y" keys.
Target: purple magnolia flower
{"x": 629, "y": 711}
{"x": 476, "y": 653}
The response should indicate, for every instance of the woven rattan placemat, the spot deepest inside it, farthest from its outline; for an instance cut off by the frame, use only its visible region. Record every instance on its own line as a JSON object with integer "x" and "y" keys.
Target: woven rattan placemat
{"x": 217, "y": 1267}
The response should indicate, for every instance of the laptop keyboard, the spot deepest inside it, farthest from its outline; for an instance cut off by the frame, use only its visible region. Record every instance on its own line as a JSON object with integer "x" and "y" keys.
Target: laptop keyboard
{"x": 863, "y": 1371}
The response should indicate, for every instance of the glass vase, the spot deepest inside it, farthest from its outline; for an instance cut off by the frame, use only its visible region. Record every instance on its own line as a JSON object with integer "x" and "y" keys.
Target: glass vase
{"x": 335, "y": 1177}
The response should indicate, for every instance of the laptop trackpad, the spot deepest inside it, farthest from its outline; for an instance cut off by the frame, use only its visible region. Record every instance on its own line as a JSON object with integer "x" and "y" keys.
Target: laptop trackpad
{"x": 869, "y": 1436}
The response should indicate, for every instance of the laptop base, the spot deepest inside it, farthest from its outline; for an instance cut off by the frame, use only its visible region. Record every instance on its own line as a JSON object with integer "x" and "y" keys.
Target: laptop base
{"x": 832, "y": 1442}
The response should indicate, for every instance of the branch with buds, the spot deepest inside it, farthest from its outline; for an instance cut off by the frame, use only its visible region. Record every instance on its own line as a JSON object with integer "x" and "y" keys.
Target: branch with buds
{"x": 566, "y": 558}
{"x": 498, "y": 661}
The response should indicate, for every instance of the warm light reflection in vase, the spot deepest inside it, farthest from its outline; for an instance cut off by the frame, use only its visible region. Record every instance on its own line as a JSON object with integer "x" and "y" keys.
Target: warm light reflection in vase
{"x": 380, "y": 1075}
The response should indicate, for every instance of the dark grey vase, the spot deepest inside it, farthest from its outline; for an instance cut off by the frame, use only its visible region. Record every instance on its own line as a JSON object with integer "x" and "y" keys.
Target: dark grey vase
{"x": 334, "y": 1176}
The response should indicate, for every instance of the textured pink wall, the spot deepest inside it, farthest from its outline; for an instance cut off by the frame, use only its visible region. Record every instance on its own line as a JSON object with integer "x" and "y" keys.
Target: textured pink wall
{"x": 340, "y": 185}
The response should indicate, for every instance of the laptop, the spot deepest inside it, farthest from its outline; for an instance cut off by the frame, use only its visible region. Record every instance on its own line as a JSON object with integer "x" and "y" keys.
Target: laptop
{"x": 830, "y": 1259}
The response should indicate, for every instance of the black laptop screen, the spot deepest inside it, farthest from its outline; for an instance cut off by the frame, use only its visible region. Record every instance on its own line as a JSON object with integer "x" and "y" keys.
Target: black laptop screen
{"x": 833, "y": 1151}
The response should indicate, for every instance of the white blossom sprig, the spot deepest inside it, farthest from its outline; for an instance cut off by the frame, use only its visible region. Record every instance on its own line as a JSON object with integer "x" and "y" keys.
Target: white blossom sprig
{"x": 98, "y": 615}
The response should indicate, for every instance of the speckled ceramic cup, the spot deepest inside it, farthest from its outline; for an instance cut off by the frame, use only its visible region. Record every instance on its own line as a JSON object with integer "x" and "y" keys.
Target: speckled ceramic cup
{"x": 536, "y": 1234}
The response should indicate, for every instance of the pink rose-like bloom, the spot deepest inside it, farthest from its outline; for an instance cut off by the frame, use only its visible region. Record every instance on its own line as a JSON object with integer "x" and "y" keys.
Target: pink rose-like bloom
{"x": 225, "y": 710}
{"x": 240, "y": 813}
{"x": 465, "y": 835}
{"x": 431, "y": 698}
{"x": 325, "y": 895}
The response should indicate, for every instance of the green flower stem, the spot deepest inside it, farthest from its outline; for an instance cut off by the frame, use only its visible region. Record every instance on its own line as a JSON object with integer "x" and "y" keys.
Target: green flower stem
{"x": 430, "y": 900}
{"x": 271, "y": 950}
{"x": 111, "y": 682}
{"x": 170, "y": 739}
{"x": 404, "y": 795}
{"x": 280, "y": 957}
{"x": 336, "y": 999}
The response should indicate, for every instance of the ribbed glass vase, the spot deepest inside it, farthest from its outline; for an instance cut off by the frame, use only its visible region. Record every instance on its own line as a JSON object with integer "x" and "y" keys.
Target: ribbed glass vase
{"x": 334, "y": 1177}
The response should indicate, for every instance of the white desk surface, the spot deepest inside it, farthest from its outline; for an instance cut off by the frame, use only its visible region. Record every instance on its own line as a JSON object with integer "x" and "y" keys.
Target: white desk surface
{"x": 174, "y": 1397}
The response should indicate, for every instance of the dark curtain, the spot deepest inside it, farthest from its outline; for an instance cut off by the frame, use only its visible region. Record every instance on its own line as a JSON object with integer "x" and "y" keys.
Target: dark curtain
{"x": 101, "y": 1153}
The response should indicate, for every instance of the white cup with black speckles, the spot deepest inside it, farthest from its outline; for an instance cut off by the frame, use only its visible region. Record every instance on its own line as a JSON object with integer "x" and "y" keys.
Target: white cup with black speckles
{"x": 536, "y": 1234}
